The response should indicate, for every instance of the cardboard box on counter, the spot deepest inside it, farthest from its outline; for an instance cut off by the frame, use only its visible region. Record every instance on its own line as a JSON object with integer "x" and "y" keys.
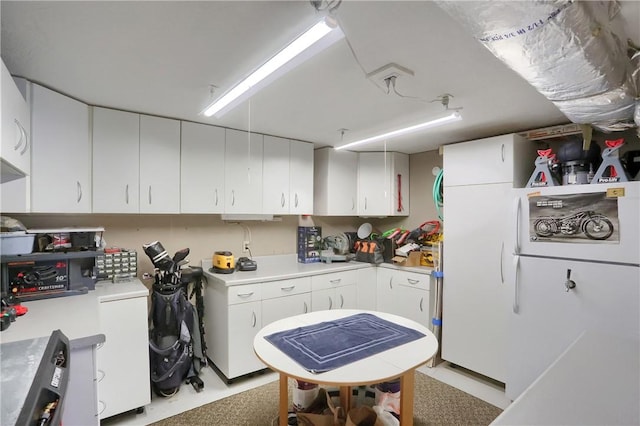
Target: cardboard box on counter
{"x": 412, "y": 259}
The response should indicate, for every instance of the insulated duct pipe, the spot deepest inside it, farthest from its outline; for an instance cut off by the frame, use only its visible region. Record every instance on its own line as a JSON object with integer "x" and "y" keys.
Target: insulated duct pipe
{"x": 567, "y": 50}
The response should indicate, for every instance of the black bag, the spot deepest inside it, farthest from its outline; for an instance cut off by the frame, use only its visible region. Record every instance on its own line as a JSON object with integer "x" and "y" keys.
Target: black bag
{"x": 370, "y": 251}
{"x": 170, "y": 342}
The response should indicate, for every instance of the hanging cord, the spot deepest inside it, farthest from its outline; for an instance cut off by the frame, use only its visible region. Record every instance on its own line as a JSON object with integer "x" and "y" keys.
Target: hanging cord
{"x": 438, "y": 196}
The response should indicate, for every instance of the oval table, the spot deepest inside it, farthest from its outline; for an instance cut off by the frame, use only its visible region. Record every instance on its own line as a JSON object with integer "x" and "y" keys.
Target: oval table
{"x": 398, "y": 362}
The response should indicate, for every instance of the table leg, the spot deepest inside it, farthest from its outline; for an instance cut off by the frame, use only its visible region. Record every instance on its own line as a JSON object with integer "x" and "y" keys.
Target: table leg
{"x": 283, "y": 412}
{"x": 345, "y": 398}
{"x": 406, "y": 398}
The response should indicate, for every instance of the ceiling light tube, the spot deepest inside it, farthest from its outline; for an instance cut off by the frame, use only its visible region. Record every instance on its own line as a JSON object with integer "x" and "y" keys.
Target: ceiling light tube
{"x": 454, "y": 116}
{"x": 295, "y": 48}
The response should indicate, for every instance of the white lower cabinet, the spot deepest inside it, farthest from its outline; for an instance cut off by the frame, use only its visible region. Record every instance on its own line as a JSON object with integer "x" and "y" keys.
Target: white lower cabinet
{"x": 366, "y": 289}
{"x": 404, "y": 293}
{"x": 123, "y": 360}
{"x": 285, "y": 298}
{"x": 245, "y": 320}
{"x": 334, "y": 291}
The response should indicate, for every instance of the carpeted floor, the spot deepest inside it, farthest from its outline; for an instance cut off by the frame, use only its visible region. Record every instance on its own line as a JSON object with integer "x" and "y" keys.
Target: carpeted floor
{"x": 435, "y": 403}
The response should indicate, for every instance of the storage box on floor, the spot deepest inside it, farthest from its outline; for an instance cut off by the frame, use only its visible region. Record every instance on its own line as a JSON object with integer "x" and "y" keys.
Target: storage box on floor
{"x": 309, "y": 241}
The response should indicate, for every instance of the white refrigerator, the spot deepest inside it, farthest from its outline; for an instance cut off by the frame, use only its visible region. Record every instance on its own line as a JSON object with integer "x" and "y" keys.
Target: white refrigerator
{"x": 576, "y": 266}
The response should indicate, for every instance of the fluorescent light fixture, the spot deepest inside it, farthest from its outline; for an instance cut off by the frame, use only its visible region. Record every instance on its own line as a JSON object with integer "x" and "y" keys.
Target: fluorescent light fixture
{"x": 304, "y": 43}
{"x": 454, "y": 116}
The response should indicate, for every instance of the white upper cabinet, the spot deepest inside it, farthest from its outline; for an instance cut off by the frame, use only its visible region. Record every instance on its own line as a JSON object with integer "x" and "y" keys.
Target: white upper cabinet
{"x": 383, "y": 184}
{"x": 159, "y": 165}
{"x": 15, "y": 147}
{"x": 202, "y": 168}
{"x": 301, "y": 178}
{"x": 499, "y": 159}
{"x": 243, "y": 172}
{"x": 287, "y": 176}
{"x": 335, "y": 177}
{"x": 116, "y": 161}
{"x": 61, "y": 153}
{"x": 275, "y": 184}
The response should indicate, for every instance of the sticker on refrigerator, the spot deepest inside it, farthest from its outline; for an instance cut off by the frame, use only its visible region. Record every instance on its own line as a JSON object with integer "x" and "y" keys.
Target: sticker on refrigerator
{"x": 574, "y": 218}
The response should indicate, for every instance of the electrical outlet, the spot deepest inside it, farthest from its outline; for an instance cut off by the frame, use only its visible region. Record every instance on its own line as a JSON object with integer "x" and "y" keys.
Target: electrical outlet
{"x": 245, "y": 246}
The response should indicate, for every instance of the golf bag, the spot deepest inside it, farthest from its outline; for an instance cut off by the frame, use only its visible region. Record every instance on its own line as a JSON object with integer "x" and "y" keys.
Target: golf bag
{"x": 177, "y": 351}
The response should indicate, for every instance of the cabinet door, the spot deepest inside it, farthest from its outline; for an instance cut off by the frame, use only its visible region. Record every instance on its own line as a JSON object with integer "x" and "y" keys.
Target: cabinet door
{"x": 322, "y": 300}
{"x": 245, "y": 320}
{"x": 283, "y": 307}
{"x": 61, "y": 155}
{"x": 124, "y": 355}
{"x": 374, "y": 191}
{"x": 16, "y": 143}
{"x": 387, "y": 293}
{"x": 416, "y": 304}
{"x": 201, "y": 168}
{"x": 547, "y": 318}
{"x": 243, "y": 172}
{"x": 346, "y": 297}
{"x": 159, "y": 165}
{"x": 275, "y": 185}
{"x": 366, "y": 289}
{"x": 487, "y": 160}
{"x": 475, "y": 289}
{"x": 335, "y": 177}
{"x": 301, "y": 178}
{"x": 116, "y": 161}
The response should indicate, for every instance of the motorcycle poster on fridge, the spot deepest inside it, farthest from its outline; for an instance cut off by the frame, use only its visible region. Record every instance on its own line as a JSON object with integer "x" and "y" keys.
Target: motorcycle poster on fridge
{"x": 574, "y": 218}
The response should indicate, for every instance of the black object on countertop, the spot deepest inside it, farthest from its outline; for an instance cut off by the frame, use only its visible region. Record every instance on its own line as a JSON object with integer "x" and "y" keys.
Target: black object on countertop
{"x": 246, "y": 264}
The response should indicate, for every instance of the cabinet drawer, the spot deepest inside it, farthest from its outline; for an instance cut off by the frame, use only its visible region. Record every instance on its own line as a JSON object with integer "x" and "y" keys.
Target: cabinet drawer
{"x": 335, "y": 279}
{"x": 412, "y": 279}
{"x": 244, "y": 293}
{"x": 281, "y": 288}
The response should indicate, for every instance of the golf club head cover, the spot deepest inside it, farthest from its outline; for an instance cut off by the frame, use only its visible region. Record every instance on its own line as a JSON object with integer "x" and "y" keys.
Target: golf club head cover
{"x": 158, "y": 255}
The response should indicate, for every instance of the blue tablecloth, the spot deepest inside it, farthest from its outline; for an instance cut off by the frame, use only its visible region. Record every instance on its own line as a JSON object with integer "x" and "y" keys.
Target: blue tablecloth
{"x": 328, "y": 345}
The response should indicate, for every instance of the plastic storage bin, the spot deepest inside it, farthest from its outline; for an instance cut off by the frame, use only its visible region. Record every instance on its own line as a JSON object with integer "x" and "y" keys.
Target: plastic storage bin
{"x": 12, "y": 243}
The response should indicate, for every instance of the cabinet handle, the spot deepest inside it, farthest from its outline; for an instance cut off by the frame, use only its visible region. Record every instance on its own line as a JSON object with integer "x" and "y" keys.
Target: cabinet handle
{"x": 79, "y": 187}
{"x": 390, "y": 284}
{"x": 291, "y": 287}
{"x": 413, "y": 282}
{"x": 330, "y": 302}
{"x": 149, "y": 194}
{"x": 17, "y": 145}
{"x": 296, "y": 204}
{"x": 305, "y": 307}
{"x": 502, "y": 152}
{"x": 516, "y": 283}
{"x": 101, "y": 377}
{"x": 26, "y": 141}
{"x": 341, "y": 301}
{"x": 245, "y": 295}
{"x": 516, "y": 213}
{"x": 353, "y": 203}
{"x": 336, "y": 281}
{"x": 501, "y": 263}
{"x": 233, "y": 197}
{"x": 126, "y": 194}
{"x": 254, "y": 319}
{"x": 216, "y": 193}
{"x": 569, "y": 283}
{"x": 104, "y": 406}
{"x": 365, "y": 203}
{"x": 421, "y": 300}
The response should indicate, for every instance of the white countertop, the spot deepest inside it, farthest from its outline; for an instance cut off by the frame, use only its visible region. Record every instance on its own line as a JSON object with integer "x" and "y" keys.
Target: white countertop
{"x": 280, "y": 267}
{"x": 76, "y": 316}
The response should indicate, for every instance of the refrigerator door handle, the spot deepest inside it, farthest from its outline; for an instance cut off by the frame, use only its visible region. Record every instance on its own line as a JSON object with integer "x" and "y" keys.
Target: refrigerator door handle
{"x": 516, "y": 284}
{"x": 516, "y": 213}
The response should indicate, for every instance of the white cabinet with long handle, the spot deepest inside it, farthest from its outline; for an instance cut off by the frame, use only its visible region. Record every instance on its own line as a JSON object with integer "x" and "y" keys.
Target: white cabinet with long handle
{"x": 335, "y": 177}
{"x": 478, "y": 181}
{"x": 301, "y": 178}
{"x": 116, "y": 161}
{"x": 159, "y": 165}
{"x": 16, "y": 141}
{"x": 201, "y": 168}
{"x": 243, "y": 172}
{"x": 337, "y": 290}
{"x": 61, "y": 153}
{"x": 383, "y": 184}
